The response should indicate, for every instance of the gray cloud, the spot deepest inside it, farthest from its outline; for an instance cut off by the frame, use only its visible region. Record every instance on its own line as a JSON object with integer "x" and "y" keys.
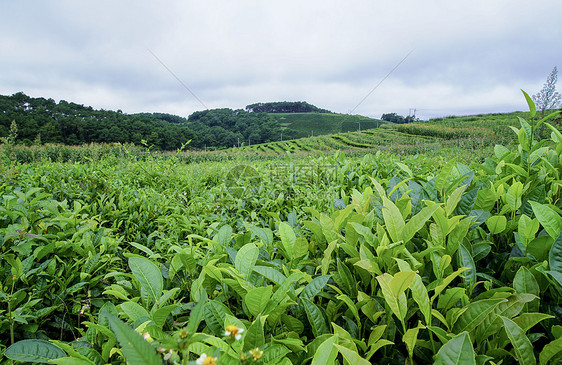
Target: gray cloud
{"x": 468, "y": 58}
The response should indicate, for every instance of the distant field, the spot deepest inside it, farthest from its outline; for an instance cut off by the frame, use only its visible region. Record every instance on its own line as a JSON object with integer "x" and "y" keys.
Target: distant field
{"x": 473, "y": 132}
{"x": 318, "y": 124}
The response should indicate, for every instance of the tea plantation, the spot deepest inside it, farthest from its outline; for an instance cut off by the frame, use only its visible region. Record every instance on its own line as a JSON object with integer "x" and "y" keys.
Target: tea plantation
{"x": 380, "y": 255}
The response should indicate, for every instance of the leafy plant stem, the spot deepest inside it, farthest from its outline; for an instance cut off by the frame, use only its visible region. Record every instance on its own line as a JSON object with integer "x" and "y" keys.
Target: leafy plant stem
{"x": 432, "y": 342}
{"x": 64, "y": 315}
{"x": 12, "y": 340}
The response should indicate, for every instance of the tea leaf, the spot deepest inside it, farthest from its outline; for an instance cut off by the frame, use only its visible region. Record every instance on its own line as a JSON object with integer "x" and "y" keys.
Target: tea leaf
{"x": 161, "y": 314}
{"x": 72, "y": 361}
{"x": 315, "y": 317}
{"x": 457, "y": 351}
{"x": 540, "y": 247}
{"x": 197, "y": 314}
{"x": 513, "y": 196}
{"x": 287, "y": 239}
{"x": 326, "y": 353}
{"x": 531, "y": 104}
{"x": 75, "y": 356}
{"x": 101, "y": 329}
{"x": 351, "y": 356}
{"x": 256, "y": 299}
{"x": 393, "y": 219}
{"x": 410, "y": 338}
{"x": 36, "y": 350}
{"x": 496, "y": 224}
{"x": 292, "y": 323}
{"x": 527, "y": 320}
{"x": 417, "y": 222}
{"x": 548, "y": 218}
{"x": 440, "y": 332}
{"x": 345, "y": 279}
{"x": 401, "y": 281}
{"x": 527, "y": 229}
{"x": 246, "y": 258}
{"x": 351, "y": 305}
{"x": 475, "y": 313}
{"x": 328, "y": 256}
{"x": 148, "y": 275}
{"x": 555, "y": 255}
{"x": 521, "y": 344}
{"x": 315, "y": 286}
{"x": 557, "y": 135}
{"x": 525, "y": 282}
{"x": 439, "y": 288}
{"x": 466, "y": 260}
{"x": 420, "y": 296}
{"x": 444, "y": 175}
{"x": 135, "y": 348}
{"x": 398, "y": 303}
{"x": 134, "y": 311}
{"x": 556, "y": 275}
{"x": 224, "y": 235}
{"x": 485, "y": 199}
{"x": 270, "y": 273}
{"x": 264, "y": 234}
{"x": 550, "y": 350}
{"x": 454, "y": 199}
{"x": 300, "y": 247}
{"x": 254, "y": 337}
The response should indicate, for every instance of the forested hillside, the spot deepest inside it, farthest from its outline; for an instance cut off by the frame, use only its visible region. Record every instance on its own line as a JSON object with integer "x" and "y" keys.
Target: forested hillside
{"x": 227, "y": 127}
{"x": 41, "y": 120}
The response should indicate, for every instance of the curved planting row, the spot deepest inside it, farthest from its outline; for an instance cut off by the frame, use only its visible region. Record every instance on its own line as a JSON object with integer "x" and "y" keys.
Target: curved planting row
{"x": 485, "y": 130}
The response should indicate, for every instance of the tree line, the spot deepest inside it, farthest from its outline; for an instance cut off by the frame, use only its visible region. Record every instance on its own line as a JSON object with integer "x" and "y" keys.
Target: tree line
{"x": 41, "y": 120}
{"x": 399, "y": 119}
{"x": 285, "y": 107}
{"x": 227, "y": 127}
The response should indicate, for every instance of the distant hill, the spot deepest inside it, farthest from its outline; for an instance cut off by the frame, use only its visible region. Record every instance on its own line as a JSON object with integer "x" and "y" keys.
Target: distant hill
{"x": 41, "y": 120}
{"x": 285, "y": 107}
{"x": 317, "y": 124}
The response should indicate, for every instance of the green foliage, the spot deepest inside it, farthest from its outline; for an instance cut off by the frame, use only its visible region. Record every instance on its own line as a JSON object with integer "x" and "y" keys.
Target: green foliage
{"x": 136, "y": 350}
{"x": 74, "y": 124}
{"x": 285, "y": 107}
{"x": 230, "y": 128}
{"x": 12, "y": 134}
{"x": 36, "y": 351}
{"x": 351, "y": 260}
{"x": 398, "y": 119}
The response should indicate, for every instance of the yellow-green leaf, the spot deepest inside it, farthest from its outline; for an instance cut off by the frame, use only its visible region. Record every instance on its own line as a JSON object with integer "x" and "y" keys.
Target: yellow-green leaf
{"x": 351, "y": 356}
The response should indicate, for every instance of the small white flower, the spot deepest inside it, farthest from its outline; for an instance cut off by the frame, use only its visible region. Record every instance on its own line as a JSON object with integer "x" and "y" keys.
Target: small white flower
{"x": 201, "y": 359}
{"x": 206, "y": 360}
{"x": 234, "y": 332}
{"x": 84, "y": 308}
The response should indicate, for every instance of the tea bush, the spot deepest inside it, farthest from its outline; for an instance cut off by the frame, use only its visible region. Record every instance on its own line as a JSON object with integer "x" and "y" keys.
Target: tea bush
{"x": 380, "y": 258}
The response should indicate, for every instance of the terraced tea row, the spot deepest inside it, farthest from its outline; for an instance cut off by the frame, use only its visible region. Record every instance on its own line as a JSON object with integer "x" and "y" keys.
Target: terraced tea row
{"x": 470, "y": 131}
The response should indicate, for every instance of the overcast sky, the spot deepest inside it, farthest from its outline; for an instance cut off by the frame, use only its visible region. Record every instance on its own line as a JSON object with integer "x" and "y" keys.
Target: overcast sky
{"x": 466, "y": 57}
